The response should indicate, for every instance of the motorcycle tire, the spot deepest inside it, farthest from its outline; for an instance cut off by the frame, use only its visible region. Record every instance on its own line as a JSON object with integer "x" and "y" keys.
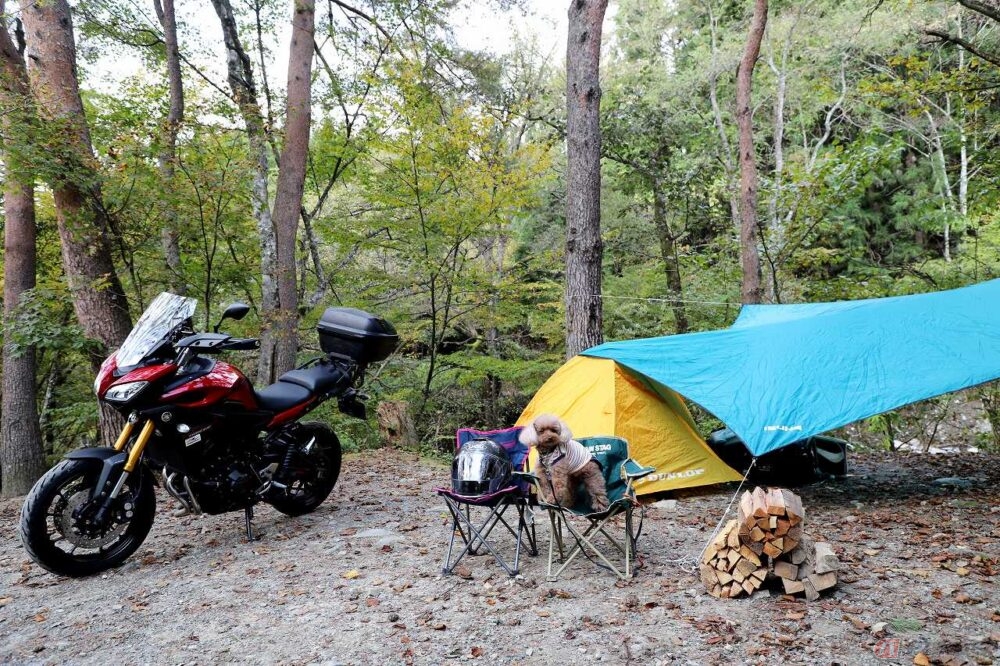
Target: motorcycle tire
{"x": 319, "y": 471}
{"x": 48, "y": 527}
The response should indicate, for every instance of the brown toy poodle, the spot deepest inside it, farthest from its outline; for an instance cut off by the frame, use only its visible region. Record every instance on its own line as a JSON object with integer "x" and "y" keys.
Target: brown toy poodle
{"x": 565, "y": 463}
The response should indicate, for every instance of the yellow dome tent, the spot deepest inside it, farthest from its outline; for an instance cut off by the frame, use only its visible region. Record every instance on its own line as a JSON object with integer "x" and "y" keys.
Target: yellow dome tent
{"x": 596, "y": 396}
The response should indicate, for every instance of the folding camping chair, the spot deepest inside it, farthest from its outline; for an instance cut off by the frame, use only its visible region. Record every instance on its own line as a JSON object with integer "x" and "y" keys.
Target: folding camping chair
{"x": 620, "y": 473}
{"x": 474, "y": 518}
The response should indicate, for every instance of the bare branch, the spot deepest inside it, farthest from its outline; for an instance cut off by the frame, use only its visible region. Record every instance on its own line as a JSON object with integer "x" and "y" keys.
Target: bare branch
{"x": 358, "y": 12}
{"x": 981, "y": 8}
{"x": 965, "y": 44}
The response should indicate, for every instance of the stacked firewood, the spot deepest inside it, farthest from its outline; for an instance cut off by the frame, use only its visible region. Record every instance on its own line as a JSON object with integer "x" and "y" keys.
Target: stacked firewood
{"x": 730, "y": 568}
{"x": 809, "y": 569}
{"x": 770, "y": 521}
{"x": 766, "y": 539}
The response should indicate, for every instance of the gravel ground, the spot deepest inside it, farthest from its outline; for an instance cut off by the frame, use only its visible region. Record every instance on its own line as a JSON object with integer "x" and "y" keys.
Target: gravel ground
{"x": 359, "y": 582}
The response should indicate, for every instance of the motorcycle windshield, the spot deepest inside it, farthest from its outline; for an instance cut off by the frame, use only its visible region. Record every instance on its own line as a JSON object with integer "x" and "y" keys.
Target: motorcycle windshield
{"x": 164, "y": 314}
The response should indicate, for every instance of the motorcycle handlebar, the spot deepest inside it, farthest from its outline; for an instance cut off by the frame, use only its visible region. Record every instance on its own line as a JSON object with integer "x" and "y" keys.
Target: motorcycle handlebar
{"x": 243, "y": 344}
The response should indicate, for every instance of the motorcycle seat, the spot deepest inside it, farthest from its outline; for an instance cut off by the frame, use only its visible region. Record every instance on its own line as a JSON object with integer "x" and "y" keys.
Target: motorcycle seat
{"x": 282, "y": 395}
{"x": 320, "y": 378}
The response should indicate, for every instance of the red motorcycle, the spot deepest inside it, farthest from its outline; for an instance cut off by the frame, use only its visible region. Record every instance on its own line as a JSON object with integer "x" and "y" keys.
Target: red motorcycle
{"x": 197, "y": 426}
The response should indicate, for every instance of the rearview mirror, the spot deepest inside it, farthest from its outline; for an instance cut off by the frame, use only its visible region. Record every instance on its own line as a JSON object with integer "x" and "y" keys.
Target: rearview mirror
{"x": 235, "y": 311}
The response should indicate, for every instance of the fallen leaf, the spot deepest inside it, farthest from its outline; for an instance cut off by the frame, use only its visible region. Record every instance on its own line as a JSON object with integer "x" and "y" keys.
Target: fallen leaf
{"x": 463, "y": 572}
{"x": 41, "y": 617}
{"x": 372, "y": 602}
{"x": 858, "y": 623}
{"x": 962, "y": 571}
{"x": 543, "y": 613}
{"x": 871, "y": 552}
{"x": 352, "y": 574}
{"x": 921, "y": 660}
{"x": 477, "y": 651}
{"x": 962, "y": 598}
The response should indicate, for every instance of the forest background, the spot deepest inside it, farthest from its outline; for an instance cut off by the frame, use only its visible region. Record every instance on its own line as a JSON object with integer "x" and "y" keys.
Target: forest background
{"x": 434, "y": 185}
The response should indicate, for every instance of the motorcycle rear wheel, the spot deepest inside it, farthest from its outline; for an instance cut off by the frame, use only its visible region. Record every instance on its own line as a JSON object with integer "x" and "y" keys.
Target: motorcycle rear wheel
{"x": 60, "y": 543}
{"x": 315, "y": 472}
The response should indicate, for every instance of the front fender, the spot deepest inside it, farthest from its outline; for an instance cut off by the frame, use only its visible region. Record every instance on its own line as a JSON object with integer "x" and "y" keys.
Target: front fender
{"x": 112, "y": 463}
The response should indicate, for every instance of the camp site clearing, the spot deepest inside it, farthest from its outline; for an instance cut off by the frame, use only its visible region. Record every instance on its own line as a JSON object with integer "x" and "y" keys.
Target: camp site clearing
{"x": 358, "y": 582}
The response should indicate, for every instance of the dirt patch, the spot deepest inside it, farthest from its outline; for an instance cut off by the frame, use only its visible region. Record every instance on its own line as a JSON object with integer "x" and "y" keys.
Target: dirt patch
{"x": 359, "y": 582}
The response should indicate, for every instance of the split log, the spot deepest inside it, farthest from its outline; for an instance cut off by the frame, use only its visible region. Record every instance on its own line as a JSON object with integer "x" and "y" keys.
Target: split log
{"x": 784, "y": 569}
{"x": 826, "y": 559}
{"x": 728, "y": 568}
{"x": 770, "y": 521}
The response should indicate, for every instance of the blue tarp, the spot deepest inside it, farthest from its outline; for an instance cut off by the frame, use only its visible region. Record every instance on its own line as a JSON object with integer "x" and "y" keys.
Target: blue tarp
{"x": 785, "y": 372}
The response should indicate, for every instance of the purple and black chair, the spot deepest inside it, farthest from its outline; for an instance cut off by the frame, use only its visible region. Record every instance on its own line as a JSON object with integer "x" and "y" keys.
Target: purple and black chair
{"x": 487, "y": 480}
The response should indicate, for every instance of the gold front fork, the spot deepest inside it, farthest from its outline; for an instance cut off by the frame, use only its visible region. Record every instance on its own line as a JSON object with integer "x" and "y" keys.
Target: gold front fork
{"x": 140, "y": 443}
{"x": 123, "y": 438}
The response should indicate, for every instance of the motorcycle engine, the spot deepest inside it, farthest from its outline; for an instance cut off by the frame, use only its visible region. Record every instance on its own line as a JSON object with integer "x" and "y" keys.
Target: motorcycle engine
{"x": 225, "y": 481}
{"x": 227, "y": 488}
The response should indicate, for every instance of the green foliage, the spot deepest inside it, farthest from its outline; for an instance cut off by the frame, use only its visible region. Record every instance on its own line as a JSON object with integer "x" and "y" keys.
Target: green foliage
{"x": 436, "y": 196}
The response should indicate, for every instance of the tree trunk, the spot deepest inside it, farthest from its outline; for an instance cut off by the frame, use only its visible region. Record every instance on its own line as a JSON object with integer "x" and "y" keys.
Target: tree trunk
{"x": 21, "y": 456}
{"x": 728, "y": 163}
{"x": 749, "y": 257}
{"x": 169, "y": 235}
{"x": 671, "y": 263}
{"x": 584, "y": 249}
{"x": 241, "y": 82}
{"x": 292, "y": 177}
{"x": 98, "y": 298}
{"x": 395, "y": 425}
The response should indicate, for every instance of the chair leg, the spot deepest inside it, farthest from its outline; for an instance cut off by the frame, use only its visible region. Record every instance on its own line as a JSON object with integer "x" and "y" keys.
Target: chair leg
{"x": 628, "y": 544}
{"x": 526, "y": 523}
{"x": 555, "y": 539}
{"x": 475, "y": 538}
{"x": 584, "y": 541}
{"x": 455, "y": 527}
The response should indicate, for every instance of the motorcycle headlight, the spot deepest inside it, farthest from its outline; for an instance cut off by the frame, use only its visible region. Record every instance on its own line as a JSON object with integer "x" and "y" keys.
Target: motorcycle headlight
{"x": 124, "y": 392}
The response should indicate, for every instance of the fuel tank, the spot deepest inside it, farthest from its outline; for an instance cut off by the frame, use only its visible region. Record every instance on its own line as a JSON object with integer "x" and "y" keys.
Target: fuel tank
{"x": 223, "y": 383}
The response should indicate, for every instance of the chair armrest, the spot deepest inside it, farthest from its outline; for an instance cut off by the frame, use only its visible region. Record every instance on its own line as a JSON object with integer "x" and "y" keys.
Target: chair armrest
{"x": 532, "y": 479}
{"x": 633, "y": 470}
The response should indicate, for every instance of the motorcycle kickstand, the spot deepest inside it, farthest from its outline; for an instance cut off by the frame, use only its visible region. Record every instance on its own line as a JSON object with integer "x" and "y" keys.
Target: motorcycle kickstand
{"x": 248, "y": 515}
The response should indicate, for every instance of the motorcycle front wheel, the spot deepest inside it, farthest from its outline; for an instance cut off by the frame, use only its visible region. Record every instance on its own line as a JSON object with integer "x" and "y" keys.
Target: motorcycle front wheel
{"x": 314, "y": 471}
{"x": 56, "y": 536}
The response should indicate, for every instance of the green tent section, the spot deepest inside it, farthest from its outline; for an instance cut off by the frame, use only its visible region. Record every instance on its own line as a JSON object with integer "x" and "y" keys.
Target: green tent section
{"x": 597, "y": 396}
